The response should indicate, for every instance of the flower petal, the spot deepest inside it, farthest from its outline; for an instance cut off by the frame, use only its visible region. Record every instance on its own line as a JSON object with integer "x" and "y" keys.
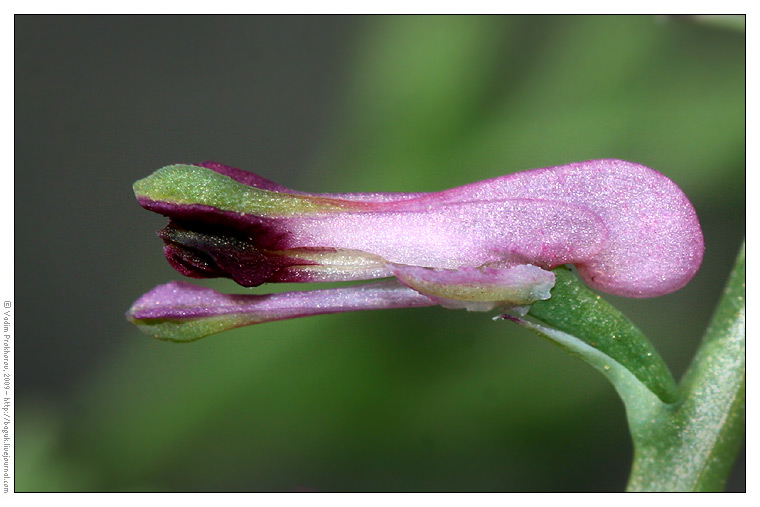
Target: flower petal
{"x": 655, "y": 244}
{"x": 180, "y": 311}
{"x": 629, "y": 230}
{"x": 413, "y": 231}
{"x": 455, "y": 235}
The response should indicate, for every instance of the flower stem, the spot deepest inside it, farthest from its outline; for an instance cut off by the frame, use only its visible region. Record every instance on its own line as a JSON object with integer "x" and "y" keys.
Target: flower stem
{"x": 692, "y": 445}
{"x": 580, "y": 312}
{"x": 685, "y": 437}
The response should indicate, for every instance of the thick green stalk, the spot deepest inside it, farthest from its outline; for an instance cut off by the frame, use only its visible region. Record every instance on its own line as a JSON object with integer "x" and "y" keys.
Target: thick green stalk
{"x": 685, "y": 437}
{"x": 691, "y": 446}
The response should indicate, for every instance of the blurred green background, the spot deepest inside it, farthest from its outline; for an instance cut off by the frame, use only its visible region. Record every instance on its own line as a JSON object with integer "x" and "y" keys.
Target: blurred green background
{"x": 403, "y": 400}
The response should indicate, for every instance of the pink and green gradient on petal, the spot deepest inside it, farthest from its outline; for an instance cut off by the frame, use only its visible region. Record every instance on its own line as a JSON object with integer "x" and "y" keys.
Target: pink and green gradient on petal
{"x": 628, "y": 229}
{"x": 181, "y": 311}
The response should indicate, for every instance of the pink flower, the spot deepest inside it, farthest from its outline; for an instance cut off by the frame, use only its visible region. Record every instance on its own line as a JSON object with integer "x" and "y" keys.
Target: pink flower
{"x": 628, "y": 229}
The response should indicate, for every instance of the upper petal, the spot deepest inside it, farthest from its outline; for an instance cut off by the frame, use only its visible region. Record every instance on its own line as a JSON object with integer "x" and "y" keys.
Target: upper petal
{"x": 422, "y": 230}
{"x": 629, "y": 229}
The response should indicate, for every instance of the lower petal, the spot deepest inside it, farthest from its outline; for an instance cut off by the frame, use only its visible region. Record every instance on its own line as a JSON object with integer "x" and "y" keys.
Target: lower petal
{"x": 180, "y": 311}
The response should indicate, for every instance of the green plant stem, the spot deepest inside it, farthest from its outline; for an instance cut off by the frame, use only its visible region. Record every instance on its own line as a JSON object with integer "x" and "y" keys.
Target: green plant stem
{"x": 686, "y": 437}
{"x": 691, "y": 445}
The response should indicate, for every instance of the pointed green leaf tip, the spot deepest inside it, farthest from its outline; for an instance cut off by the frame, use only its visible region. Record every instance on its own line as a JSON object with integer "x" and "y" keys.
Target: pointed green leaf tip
{"x": 189, "y": 184}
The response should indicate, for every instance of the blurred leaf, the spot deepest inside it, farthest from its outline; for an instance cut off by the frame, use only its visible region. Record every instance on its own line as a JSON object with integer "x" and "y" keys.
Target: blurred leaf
{"x": 39, "y": 464}
{"x": 521, "y": 92}
{"x": 731, "y": 21}
{"x": 418, "y": 85}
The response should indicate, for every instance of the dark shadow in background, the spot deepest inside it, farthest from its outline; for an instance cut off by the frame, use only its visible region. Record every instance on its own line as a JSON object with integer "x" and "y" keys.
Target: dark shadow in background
{"x": 101, "y": 102}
